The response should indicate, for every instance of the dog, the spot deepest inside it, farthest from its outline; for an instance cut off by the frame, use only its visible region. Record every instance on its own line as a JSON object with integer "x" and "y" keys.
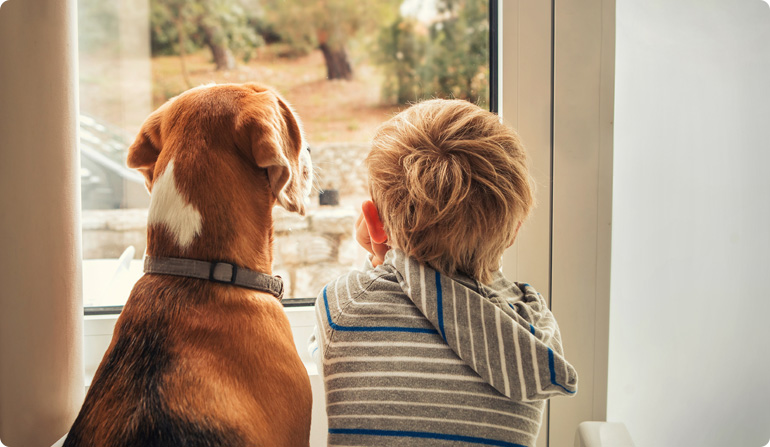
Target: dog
{"x": 206, "y": 361}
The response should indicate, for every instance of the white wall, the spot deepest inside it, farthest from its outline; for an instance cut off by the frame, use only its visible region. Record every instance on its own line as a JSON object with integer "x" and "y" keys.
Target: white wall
{"x": 689, "y": 360}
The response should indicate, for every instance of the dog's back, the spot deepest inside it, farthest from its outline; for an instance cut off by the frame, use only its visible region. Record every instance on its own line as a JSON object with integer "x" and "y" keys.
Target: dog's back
{"x": 195, "y": 362}
{"x": 127, "y": 402}
{"x": 169, "y": 379}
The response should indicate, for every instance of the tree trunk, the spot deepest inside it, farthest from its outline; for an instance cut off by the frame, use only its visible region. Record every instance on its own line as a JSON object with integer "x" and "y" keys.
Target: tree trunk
{"x": 337, "y": 64}
{"x": 182, "y": 42}
{"x": 220, "y": 51}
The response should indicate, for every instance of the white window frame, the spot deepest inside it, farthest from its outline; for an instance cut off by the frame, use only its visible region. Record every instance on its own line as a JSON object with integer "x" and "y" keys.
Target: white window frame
{"x": 557, "y": 90}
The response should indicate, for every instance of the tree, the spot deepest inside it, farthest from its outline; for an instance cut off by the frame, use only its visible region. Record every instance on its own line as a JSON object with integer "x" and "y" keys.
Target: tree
{"x": 216, "y": 38}
{"x": 181, "y": 26}
{"x": 328, "y": 25}
{"x": 459, "y": 51}
{"x": 447, "y": 56}
{"x": 402, "y": 48}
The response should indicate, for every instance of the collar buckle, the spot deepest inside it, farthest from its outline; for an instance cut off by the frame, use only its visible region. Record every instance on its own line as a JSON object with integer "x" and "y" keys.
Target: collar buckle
{"x": 214, "y": 272}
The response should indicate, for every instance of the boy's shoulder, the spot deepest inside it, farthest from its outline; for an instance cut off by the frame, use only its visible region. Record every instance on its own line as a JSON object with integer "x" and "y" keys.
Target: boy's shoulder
{"x": 372, "y": 292}
{"x": 371, "y": 284}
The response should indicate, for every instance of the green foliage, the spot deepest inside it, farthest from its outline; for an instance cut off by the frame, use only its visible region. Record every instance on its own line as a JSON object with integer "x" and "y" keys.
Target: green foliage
{"x": 227, "y": 23}
{"x": 230, "y": 22}
{"x": 402, "y": 54}
{"x": 448, "y": 58}
{"x": 306, "y": 24}
{"x": 164, "y": 32}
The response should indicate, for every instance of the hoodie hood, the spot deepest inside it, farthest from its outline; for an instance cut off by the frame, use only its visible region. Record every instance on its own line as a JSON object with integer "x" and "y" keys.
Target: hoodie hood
{"x": 503, "y": 330}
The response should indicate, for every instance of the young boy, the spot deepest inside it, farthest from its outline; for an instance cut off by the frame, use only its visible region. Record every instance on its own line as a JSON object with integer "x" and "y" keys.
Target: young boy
{"x": 431, "y": 345}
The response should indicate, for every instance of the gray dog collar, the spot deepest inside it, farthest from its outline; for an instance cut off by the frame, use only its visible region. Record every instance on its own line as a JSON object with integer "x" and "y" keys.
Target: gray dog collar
{"x": 216, "y": 271}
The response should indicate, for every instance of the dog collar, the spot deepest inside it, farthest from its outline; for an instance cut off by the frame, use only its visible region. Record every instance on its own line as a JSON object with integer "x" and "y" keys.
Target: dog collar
{"x": 217, "y": 271}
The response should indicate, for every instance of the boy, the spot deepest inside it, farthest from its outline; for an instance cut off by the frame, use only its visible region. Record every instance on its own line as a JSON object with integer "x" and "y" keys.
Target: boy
{"x": 432, "y": 345}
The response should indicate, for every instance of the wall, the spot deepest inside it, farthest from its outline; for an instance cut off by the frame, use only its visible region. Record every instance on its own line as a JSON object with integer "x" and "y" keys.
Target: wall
{"x": 689, "y": 361}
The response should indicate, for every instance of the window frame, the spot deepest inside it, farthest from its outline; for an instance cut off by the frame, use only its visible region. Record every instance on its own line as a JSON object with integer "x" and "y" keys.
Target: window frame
{"x": 557, "y": 60}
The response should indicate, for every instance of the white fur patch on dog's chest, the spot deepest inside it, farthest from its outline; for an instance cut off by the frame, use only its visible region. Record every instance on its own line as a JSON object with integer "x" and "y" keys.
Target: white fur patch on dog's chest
{"x": 168, "y": 207}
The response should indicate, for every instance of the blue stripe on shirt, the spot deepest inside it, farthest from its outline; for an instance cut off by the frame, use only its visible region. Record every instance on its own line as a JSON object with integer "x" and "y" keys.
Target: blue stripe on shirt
{"x": 553, "y": 372}
{"x": 531, "y": 328}
{"x": 423, "y": 435}
{"x": 338, "y": 327}
{"x": 440, "y": 305}
{"x": 550, "y": 362}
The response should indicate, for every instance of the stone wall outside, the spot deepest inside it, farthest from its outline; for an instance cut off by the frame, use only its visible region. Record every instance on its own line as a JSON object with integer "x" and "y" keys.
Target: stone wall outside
{"x": 340, "y": 166}
{"x": 309, "y": 250}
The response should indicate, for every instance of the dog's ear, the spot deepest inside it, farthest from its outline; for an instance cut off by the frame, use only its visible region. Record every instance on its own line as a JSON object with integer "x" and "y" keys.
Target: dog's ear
{"x": 276, "y": 142}
{"x": 144, "y": 152}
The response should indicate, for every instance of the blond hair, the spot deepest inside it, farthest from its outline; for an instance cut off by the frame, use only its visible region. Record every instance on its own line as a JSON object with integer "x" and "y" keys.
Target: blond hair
{"x": 451, "y": 184}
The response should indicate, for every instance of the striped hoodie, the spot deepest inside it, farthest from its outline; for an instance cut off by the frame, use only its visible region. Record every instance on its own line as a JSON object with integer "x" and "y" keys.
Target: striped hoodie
{"x": 412, "y": 357}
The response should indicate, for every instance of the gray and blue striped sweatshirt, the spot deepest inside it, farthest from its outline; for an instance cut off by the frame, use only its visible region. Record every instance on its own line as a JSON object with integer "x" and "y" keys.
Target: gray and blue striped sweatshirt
{"x": 412, "y": 357}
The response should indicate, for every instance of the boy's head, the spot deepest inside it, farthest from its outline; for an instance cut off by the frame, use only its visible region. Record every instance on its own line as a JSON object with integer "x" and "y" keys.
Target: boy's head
{"x": 451, "y": 185}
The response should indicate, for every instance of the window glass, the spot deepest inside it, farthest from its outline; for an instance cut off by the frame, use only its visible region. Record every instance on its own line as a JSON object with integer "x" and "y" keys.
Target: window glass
{"x": 344, "y": 65}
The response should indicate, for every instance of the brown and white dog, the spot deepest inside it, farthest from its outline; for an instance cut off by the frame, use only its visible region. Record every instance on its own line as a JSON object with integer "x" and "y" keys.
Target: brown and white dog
{"x": 195, "y": 362}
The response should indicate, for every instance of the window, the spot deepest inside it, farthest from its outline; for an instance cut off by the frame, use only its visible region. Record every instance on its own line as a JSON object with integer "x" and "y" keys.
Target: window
{"x": 345, "y": 68}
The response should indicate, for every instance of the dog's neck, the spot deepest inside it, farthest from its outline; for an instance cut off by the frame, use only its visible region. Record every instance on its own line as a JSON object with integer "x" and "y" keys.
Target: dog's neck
{"x": 220, "y": 211}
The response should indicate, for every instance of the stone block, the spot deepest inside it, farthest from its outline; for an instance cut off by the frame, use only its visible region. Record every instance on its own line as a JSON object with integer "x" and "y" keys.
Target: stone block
{"x": 123, "y": 220}
{"x": 118, "y": 220}
{"x": 349, "y": 253}
{"x": 91, "y": 220}
{"x": 304, "y": 248}
{"x": 287, "y": 222}
{"x": 337, "y": 220}
{"x": 285, "y": 251}
{"x": 310, "y": 280}
{"x": 340, "y": 166}
{"x": 105, "y": 244}
{"x": 136, "y": 238}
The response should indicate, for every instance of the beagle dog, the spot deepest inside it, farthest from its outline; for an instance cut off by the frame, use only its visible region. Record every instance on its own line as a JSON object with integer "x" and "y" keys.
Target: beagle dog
{"x": 203, "y": 354}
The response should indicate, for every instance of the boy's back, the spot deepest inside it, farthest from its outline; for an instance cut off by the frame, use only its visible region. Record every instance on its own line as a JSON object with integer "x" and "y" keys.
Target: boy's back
{"x": 415, "y": 358}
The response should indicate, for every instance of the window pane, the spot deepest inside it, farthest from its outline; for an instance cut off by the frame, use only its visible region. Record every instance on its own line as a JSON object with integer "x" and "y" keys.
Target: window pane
{"x": 345, "y": 67}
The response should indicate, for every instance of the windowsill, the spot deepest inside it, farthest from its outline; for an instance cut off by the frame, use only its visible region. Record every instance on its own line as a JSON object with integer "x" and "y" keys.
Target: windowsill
{"x": 108, "y": 282}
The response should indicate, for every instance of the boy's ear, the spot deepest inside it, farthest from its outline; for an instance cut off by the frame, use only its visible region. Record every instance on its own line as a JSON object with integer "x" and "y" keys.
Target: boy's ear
{"x": 373, "y": 223}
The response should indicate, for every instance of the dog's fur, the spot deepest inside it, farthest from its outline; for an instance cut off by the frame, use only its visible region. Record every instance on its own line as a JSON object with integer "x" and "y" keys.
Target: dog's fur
{"x": 192, "y": 362}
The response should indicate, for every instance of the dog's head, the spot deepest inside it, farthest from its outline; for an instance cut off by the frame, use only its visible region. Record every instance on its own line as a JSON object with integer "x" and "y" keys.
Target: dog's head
{"x": 249, "y": 118}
